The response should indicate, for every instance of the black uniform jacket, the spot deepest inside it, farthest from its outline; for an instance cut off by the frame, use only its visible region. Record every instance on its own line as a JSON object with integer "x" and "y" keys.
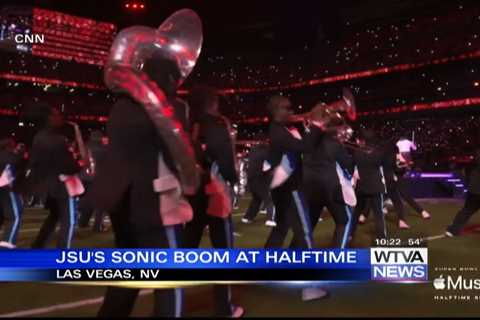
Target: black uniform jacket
{"x": 320, "y": 169}
{"x": 214, "y": 144}
{"x": 130, "y": 166}
{"x": 390, "y": 168}
{"x": 322, "y": 161}
{"x": 370, "y": 170}
{"x": 49, "y": 158}
{"x": 284, "y": 143}
{"x": 258, "y": 154}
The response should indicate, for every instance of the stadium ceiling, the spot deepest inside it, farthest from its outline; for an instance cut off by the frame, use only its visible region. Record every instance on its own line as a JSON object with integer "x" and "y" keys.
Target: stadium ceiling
{"x": 241, "y": 26}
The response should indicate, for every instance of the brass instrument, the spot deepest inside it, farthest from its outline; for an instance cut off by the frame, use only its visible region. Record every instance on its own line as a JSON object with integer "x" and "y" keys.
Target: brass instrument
{"x": 85, "y": 154}
{"x": 179, "y": 39}
{"x": 333, "y": 119}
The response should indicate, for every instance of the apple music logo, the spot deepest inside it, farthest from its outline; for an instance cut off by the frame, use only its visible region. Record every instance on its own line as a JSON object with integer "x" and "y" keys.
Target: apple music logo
{"x": 458, "y": 283}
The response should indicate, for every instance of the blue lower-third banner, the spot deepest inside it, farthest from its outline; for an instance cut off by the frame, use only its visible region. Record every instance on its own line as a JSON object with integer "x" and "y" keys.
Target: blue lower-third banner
{"x": 213, "y": 265}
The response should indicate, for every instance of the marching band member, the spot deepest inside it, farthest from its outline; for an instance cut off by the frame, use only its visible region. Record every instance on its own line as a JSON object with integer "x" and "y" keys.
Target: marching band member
{"x": 149, "y": 157}
{"x": 259, "y": 186}
{"x": 12, "y": 158}
{"x": 391, "y": 179}
{"x": 286, "y": 148}
{"x": 472, "y": 200}
{"x": 404, "y": 163}
{"x": 133, "y": 163}
{"x": 322, "y": 185}
{"x": 212, "y": 204}
{"x": 149, "y": 164}
{"x": 390, "y": 170}
{"x": 371, "y": 183}
{"x": 397, "y": 188}
{"x": 53, "y": 172}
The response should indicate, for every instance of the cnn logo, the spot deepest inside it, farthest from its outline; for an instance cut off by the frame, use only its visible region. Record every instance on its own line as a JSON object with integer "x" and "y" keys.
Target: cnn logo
{"x": 29, "y": 38}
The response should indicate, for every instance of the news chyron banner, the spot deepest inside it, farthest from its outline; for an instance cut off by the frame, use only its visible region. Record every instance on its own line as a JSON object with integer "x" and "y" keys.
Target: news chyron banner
{"x": 215, "y": 265}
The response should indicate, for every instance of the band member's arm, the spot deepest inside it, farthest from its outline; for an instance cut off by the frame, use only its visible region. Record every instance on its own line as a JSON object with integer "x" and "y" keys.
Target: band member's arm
{"x": 344, "y": 158}
{"x": 225, "y": 163}
{"x": 66, "y": 161}
{"x": 219, "y": 150}
{"x": 281, "y": 138}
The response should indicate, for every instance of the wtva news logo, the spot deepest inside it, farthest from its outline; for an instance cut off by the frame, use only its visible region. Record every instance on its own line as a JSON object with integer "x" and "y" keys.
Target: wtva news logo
{"x": 399, "y": 264}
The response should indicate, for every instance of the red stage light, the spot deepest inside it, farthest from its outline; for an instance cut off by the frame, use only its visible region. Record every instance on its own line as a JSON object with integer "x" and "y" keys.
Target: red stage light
{"x": 134, "y": 6}
{"x": 142, "y": 6}
{"x": 476, "y": 83}
{"x": 127, "y": 5}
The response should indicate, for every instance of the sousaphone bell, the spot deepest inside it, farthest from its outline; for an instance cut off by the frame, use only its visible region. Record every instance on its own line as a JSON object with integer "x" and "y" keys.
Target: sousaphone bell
{"x": 179, "y": 38}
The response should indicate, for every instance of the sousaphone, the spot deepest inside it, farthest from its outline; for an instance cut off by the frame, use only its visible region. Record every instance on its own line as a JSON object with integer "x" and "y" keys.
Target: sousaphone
{"x": 179, "y": 38}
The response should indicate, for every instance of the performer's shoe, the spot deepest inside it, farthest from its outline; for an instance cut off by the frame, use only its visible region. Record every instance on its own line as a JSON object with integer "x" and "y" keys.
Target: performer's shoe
{"x": 270, "y": 223}
{"x": 425, "y": 215}
{"x": 388, "y": 203}
{"x": 263, "y": 211}
{"x": 7, "y": 245}
{"x": 403, "y": 225}
{"x": 449, "y": 234}
{"x": 362, "y": 219}
{"x": 312, "y": 293}
{"x": 246, "y": 221}
{"x": 238, "y": 312}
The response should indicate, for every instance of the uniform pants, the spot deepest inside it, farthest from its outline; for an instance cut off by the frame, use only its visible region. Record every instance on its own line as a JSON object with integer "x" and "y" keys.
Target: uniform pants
{"x": 85, "y": 216}
{"x": 119, "y": 302}
{"x": 260, "y": 196}
{"x": 291, "y": 213}
{"x": 10, "y": 214}
{"x": 376, "y": 202}
{"x": 320, "y": 194}
{"x": 393, "y": 194}
{"x": 472, "y": 205}
{"x": 406, "y": 196}
{"x": 63, "y": 211}
{"x": 221, "y": 236}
